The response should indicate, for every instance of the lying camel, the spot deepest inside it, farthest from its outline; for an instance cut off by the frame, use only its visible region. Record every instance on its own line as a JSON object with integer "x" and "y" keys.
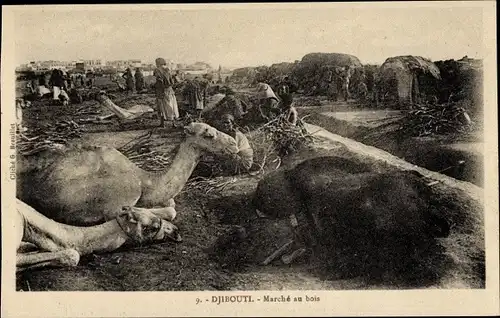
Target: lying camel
{"x": 84, "y": 186}
{"x": 62, "y": 245}
{"x": 361, "y": 222}
{"x": 132, "y": 113}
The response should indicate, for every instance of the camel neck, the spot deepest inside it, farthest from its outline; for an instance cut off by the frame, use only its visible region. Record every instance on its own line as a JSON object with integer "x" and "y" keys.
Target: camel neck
{"x": 52, "y": 236}
{"x": 162, "y": 187}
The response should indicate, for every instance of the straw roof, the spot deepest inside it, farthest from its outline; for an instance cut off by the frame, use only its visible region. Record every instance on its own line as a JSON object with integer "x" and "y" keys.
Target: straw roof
{"x": 411, "y": 63}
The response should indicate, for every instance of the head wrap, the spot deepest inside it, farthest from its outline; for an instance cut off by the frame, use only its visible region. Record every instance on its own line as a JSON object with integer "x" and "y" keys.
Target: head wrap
{"x": 265, "y": 91}
{"x": 160, "y": 61}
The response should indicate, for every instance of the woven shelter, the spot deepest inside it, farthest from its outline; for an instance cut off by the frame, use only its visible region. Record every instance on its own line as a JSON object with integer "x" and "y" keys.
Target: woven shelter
{"x": 462, "y": 80}
{"x": 310, "y": 70}
{"x": 400, "y": 79}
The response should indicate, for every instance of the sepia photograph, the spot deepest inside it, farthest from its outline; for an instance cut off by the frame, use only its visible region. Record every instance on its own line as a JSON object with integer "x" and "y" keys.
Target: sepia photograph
{"x": 279, "y": 153}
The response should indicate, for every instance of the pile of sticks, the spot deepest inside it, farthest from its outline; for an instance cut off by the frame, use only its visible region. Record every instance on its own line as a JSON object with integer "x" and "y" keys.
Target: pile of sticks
{"x": 139, "y": 151}
{"x": 208, "y": 185}
{"x": 285, "y": 137}
{"x": 425, "y": 120}
{"x": 43, "y": 138}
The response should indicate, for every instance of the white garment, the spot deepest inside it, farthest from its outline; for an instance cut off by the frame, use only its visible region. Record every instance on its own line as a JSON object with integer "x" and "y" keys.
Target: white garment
{"x": 64, "y": 94}
{"x": 57, "y": 92}
{"x": 42, "y": 90}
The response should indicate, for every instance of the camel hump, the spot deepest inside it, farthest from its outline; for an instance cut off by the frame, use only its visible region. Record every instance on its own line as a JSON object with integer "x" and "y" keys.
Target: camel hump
{"x": 334, "y": 163}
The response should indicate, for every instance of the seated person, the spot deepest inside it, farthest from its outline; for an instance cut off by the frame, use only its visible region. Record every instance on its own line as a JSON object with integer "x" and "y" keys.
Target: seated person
{"x": 268, "y": 101}
{"x": 291, "y": 114}
{"x": 243, "y": 160}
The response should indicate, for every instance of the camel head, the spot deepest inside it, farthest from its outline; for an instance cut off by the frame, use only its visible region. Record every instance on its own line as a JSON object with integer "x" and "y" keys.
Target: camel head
{"x": 143, "y": 226}
{"x": 206, "y": 138}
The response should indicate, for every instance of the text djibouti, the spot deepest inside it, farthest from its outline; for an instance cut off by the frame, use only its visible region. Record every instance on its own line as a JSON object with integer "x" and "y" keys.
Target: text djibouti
{"x": 232, "y": 299}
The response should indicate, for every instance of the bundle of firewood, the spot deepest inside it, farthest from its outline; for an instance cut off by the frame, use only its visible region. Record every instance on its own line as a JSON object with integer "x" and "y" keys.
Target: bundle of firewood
{"x": 425, "y": 120}
{"x": 285, "y": 137}
{"x": 43, "y": 138}
{"x": 139, "y": 151}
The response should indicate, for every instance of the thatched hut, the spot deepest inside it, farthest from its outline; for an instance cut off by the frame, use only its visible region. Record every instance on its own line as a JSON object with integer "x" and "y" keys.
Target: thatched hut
{"x": 310, "y": 71}
{"x": 403, "y": 80}
{"x": 462, "y": 80}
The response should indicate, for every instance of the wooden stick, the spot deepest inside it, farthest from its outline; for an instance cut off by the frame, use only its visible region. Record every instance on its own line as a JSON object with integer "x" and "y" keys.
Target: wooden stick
{"x": 277, "y": 253}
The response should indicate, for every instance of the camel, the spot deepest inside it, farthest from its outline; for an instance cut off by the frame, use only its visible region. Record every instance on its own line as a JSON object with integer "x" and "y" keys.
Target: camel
{"x": 358, "y": 221}
{"x": 123, "y": 114}
{"x": 60, "y": 245}
{"x": 84, "y": 185}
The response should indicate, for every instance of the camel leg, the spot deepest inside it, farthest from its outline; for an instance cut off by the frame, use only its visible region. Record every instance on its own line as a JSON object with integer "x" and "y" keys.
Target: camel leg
{"x": 171, "y": 203}
{"x": 26, "y": 247}
{"x": 167, "y": 213}
{"x": 115, "y": 109}
{"x": 67, "y": 257}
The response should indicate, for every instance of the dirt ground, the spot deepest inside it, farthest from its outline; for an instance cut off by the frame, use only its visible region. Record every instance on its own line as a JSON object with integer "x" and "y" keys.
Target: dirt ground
{"x": 203, "y": 217}
{"x": 457, "y": 155}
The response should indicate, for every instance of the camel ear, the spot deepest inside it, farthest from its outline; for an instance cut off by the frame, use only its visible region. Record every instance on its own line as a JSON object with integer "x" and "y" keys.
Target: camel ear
{"x": 131, "y": 219}
{"x": 129, "y": 216}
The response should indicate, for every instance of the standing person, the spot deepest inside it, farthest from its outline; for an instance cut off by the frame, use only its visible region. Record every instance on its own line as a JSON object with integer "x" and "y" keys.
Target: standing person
{"x": 362, "y": 91}
{"x": 129, "y": 80}
{"x": 139, "y": 80}
{"x": 204, "y": 86}
{"x": 57, "y": 82}
{"x": 178, "y": 78}
{"x": 193, "y": 95}
{"x": 82, "y": 80}
{"x": 165, "y": 96}
{"x": 90, "y": 79}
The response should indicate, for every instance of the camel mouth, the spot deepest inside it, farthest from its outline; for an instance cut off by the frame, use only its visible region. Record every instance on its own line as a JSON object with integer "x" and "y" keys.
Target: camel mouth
{"x": 175, "y": 237}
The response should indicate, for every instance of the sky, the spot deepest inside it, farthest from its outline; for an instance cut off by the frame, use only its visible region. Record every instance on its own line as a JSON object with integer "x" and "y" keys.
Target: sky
{"x": 246, "y": 36}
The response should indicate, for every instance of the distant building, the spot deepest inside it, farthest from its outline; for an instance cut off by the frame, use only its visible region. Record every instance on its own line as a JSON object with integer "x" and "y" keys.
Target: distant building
{"x": 135, "y": 63}
{"x": 93, "y": 63}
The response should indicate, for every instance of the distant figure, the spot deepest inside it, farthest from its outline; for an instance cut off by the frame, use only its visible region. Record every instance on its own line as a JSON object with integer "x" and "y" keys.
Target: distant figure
{"x": 193, "y": 95}
{"x": 139, "y": 80}
{"x": 244, "y": 158}
{"x": 204, "y": 86}
{"x": 165, "y": 96}
{"x": 129, "y": 80}
{"x": 20, "y": 104}
{"x": 57, "y": 82}
{"x": 284, "y": 88}
{"x": 214, "y": 99}
{"x": 332, "y": 91}
{"x": 235, "y": 106}
{"x": 42, "y": 85}
{"x": 269, "y": 102}
{"x": 82, "y": 79}
{"x": 362, "y": 91}
{"x": 90, "y": 79}
{"x": 178, "y": 77}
